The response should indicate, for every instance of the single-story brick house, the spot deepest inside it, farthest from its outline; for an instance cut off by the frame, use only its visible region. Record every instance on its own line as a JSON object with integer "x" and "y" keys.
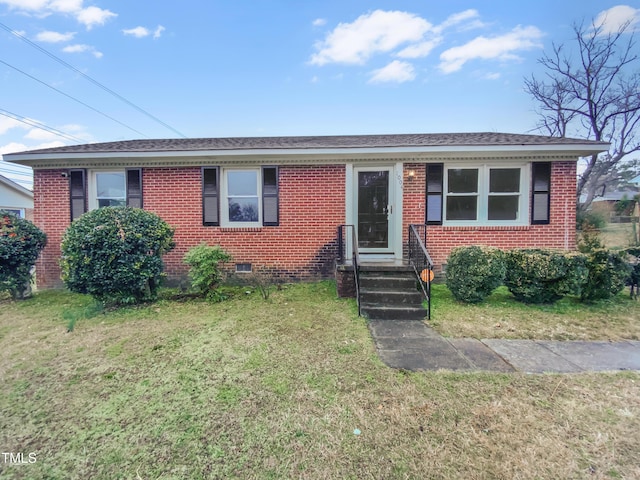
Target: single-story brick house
{"x": 276, "y": 202}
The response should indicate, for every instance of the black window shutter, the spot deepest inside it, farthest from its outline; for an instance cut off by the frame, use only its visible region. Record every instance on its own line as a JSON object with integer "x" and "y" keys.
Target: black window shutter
{"x": 435, "y": 172}
{"x": 210, "y": 196}
{"x": 540, "y": 193}
{"x": 77, "y": 193}
{"x": 270, "y": 217}
{"x": 134, "y": 187}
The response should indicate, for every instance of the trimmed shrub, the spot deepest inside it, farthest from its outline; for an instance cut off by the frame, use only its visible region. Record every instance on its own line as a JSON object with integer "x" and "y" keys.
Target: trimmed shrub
{"x": 608, "y": 270}
{"x": 20, "y": 244}
{"x": 115, "y": 254}
{"x": 474, "y": 272}
{"x": 608, "y": 274}
{"x": 544, "y": 276}
{"x": 205, "y": 272}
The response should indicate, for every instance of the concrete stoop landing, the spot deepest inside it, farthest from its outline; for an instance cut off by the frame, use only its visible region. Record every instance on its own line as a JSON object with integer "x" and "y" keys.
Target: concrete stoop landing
{"x": 412, "y": 345}
{"x": 390, "y": 292}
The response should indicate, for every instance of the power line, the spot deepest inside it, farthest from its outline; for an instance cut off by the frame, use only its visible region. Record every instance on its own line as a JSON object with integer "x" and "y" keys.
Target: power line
{"x": 35, "y": 123}
{"x": 95, "y": 82}
{"x": 72, "y": 98}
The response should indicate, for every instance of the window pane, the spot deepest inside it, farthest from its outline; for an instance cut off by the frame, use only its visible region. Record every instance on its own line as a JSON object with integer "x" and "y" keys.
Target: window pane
{"x": 462, "y": 207}
{"x": 110, "y": 185}
{"x": 462, "y": 180}
{"x": 503, "y": 207}
{"x": 242, "y": 182}
{"x": 243, "y": 209}
{"x": 504, "y": 180}
{"x": 108, "y": 202}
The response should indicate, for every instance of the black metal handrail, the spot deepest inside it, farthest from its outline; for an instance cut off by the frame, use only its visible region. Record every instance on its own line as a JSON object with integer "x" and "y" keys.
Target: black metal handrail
{"x": 355, "y": 257}
{"x": 421, "y": 261}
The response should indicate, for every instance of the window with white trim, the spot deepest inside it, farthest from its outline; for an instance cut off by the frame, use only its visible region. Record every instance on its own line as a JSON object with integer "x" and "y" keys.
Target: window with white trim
{"x": 108, "y": 189}
{"x": 91, "y": 189}
{"x": 486, "y": 195}
{"x": 240, "y": 197}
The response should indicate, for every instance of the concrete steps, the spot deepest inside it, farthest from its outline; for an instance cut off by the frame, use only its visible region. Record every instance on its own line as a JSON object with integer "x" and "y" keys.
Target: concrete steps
{"x": 390, "y": 293}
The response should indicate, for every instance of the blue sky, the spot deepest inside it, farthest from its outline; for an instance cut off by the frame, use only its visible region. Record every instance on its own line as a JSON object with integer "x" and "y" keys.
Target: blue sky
{"x": 203, "y": 68}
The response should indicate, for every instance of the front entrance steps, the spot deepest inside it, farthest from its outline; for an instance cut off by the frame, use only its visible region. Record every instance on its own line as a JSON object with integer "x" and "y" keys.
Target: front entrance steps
{"x": 390, "y": 292}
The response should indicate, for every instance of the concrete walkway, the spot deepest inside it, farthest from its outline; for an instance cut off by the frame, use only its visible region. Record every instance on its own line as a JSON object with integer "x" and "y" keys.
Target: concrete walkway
{"x": 412, "y": 345}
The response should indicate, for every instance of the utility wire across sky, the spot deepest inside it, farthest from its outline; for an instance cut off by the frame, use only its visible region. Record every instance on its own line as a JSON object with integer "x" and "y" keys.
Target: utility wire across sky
{"x": 87, "y": 77}
{"x": 73, "y": 98}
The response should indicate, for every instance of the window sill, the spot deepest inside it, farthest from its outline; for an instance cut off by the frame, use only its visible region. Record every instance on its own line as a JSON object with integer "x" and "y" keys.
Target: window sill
{"x": 240, "y": 229}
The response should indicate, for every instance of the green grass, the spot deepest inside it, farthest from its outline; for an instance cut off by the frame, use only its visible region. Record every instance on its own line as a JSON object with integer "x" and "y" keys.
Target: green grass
{"x": 501, "y": 316}
{"x": 253, "y": 389}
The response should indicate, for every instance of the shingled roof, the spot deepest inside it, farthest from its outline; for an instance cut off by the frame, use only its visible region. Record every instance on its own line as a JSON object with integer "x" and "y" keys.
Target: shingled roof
{"x": 483, "y": 139}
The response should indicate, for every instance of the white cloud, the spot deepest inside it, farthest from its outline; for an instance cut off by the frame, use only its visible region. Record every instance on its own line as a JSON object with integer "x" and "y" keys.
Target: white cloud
{"x": 92, "y": 16}
{"x": 458, "y": 18}
{"x": 89, "y": 16}
{"x": 7, "y": 123}
{"x": 54, "y": 37}
{"x": 79, "y": 48}
{"x": 319, "y": 22}
{"x": 501, "y": 48}
{"x": 418, "y": 50}
{"x": 29, "y": 5}
{"x": 69, "y": 6}
{"x": 138, "y": 32}
{"x": 492, "y": 76}
{"x": 615, "y": 18}
{"x": 376, "y": 32}
{"x": 158, "y": 31}
{"x": 141, "y": 32}
{"x": 14, "y": 147}
{"x": 396, "y": 72}
{"x": 41, "y": 135}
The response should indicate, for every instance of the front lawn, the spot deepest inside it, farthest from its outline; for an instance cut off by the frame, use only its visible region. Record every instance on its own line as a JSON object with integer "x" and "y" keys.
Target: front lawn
{"x": 289, "y": 388}
{"x": 501, "y": 316}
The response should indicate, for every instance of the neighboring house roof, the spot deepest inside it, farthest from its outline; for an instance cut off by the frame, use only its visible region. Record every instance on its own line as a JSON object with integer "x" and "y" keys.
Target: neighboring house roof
{"x": 15, "y": 186}
{"x": 617, "y": 195}
{"x": 13, "y": 195}
{"x": 409, "y": 144}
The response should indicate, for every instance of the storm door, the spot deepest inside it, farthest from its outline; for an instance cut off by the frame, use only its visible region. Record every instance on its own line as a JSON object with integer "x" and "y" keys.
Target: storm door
{"x": 374, "y": 209}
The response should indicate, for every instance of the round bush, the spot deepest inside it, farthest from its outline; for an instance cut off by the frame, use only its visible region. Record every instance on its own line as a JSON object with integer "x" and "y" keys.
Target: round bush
{"x": 608, "y": 274}
{"x": 115, "y": 254}
{"x": 20, "y": 244}
{"x": 474, "y": 272}
{"x": 544, "y": 276}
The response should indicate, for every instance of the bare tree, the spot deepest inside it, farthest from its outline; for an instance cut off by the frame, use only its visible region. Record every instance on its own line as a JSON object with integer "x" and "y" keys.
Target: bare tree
{"x": 592, "y": 92}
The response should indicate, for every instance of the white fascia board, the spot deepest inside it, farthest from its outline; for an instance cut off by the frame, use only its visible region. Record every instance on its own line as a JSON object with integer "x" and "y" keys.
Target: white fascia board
{"x": 339, "y": 154}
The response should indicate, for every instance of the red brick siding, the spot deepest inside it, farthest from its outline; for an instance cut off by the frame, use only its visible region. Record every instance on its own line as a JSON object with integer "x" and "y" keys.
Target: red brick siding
{"x": 560, "y": 233}
{"x": 312, "y": 205}
{"x": 51, "y": 215}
